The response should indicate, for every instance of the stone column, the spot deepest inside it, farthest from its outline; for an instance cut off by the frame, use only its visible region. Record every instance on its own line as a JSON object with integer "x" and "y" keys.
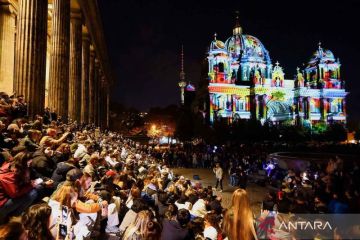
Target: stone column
{"x": 30, "y": 58}
{"x": 91, "y": 85}
{"x": 85, "y": 78}
{"x": 96, "y": 91}
{"x": 101, "y": 100}
{"x": 59, "y": 62}
{"x": 104, "y": 103}
{"x": 75, "y": 66}
{"x": 107, "y": 125}
{"x": 7, "y": 46}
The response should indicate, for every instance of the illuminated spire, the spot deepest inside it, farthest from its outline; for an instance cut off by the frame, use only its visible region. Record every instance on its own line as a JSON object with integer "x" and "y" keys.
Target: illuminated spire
{"x": 182, "y": 82}
{"x": 237, "y": 29}
{"x": 215, "y": 35}
{"x": 182, "y": 72}
{"x": 320, "y": 51}
{"x": 237, "y": 23}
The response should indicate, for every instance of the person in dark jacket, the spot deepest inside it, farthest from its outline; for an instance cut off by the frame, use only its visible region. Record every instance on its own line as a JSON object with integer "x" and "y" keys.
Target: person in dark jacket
{"x": 43, "y": 163}
{"x": 59, "y": 175}
{"x": 28, "y": 143}
{"x": 177, "y": 229}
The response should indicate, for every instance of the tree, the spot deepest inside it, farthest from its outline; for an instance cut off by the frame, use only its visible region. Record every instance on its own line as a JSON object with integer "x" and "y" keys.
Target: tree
{"x": 336, "y": 132}
{"x": 357, "y": 134}
{"x": 184, "y": 126}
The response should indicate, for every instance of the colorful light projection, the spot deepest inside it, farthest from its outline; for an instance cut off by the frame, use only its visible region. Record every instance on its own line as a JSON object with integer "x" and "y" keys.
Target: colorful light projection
{"x": 244, "y": 84}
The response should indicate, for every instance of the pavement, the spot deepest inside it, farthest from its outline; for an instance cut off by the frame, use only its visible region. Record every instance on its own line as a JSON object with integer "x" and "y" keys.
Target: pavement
{"x": 207, "y": 178}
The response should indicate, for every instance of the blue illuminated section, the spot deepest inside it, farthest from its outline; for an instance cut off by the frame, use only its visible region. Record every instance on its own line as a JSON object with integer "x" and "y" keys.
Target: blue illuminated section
{"x": 190, "y": 88}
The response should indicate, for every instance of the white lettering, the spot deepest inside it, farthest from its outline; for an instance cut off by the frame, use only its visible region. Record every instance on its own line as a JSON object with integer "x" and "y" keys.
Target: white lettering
{"x": 283, "y": 225}
{"x": 327, "y": 224}
{"x": 317, "y": 225}
{"x": 292, "y": 226}
{"x": 308, "y": 224}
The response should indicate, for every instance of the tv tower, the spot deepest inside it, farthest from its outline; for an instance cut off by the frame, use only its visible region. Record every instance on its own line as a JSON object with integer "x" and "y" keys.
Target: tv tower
{"x": 182, "y": 82}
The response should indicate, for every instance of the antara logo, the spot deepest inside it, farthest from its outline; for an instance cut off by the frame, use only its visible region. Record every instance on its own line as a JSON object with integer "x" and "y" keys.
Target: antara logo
{"x": 305, "y": 225}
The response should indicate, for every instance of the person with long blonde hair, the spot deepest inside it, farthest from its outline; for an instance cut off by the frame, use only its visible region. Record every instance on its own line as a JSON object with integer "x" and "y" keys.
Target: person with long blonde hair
{"x": 238, "y": 220}
{"x": 65, "y": 197}
{"x": 138, "y": 230}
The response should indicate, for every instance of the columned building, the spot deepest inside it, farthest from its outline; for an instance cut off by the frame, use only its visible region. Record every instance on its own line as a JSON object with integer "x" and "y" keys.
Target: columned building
{"x": 54, "y": 53}
{"x": 244, "y": 84}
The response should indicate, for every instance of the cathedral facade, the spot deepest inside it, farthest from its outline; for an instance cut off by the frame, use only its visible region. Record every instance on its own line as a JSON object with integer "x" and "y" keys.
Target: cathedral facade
{"x": 244, "y": 84}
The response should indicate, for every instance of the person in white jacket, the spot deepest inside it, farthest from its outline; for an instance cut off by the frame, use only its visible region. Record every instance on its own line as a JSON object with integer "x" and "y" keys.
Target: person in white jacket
{"x": 219, "y": 176}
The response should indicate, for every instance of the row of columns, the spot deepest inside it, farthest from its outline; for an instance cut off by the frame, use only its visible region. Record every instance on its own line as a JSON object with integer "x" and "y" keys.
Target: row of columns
{"x": 77, "y": 85}
{"x": 7, "y": 45}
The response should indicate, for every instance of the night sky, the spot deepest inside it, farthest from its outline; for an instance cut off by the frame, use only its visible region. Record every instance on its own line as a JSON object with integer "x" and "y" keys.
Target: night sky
{"x": 144, "y": 39}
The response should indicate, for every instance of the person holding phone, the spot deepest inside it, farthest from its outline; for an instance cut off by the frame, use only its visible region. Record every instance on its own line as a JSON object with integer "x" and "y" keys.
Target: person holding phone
{"x": 62, "y": 204}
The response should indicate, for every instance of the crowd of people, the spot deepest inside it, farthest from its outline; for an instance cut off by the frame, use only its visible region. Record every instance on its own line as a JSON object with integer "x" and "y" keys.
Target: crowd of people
{"x": 72, "y": 181}
{"x": 63, "y": 180}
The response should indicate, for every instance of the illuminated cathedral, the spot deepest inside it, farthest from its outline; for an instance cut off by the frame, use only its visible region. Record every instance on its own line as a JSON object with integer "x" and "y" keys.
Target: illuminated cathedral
{"x": 244, "y": 84}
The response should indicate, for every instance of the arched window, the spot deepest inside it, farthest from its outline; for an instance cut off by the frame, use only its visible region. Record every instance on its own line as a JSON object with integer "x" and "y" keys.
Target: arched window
{"x": 221, "y": 67}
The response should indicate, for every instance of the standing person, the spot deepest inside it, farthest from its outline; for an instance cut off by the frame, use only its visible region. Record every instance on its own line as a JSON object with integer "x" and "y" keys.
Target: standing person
{"x": 219, "y": 176}
{"x": 194, "y": 161}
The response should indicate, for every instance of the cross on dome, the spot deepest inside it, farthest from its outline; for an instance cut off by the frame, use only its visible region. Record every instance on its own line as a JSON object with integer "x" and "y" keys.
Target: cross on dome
{"x": 319, "y": 44}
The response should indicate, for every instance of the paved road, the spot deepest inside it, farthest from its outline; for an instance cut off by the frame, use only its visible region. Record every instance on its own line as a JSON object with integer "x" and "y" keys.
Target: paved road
{"x": 207, "y": 178}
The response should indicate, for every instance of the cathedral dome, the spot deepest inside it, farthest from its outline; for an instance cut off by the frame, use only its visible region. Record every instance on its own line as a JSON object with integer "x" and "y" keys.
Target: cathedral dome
{"x": 322, "y": 55}
{"x": 217, "y": 45}
{"x": 253, "y": 50}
